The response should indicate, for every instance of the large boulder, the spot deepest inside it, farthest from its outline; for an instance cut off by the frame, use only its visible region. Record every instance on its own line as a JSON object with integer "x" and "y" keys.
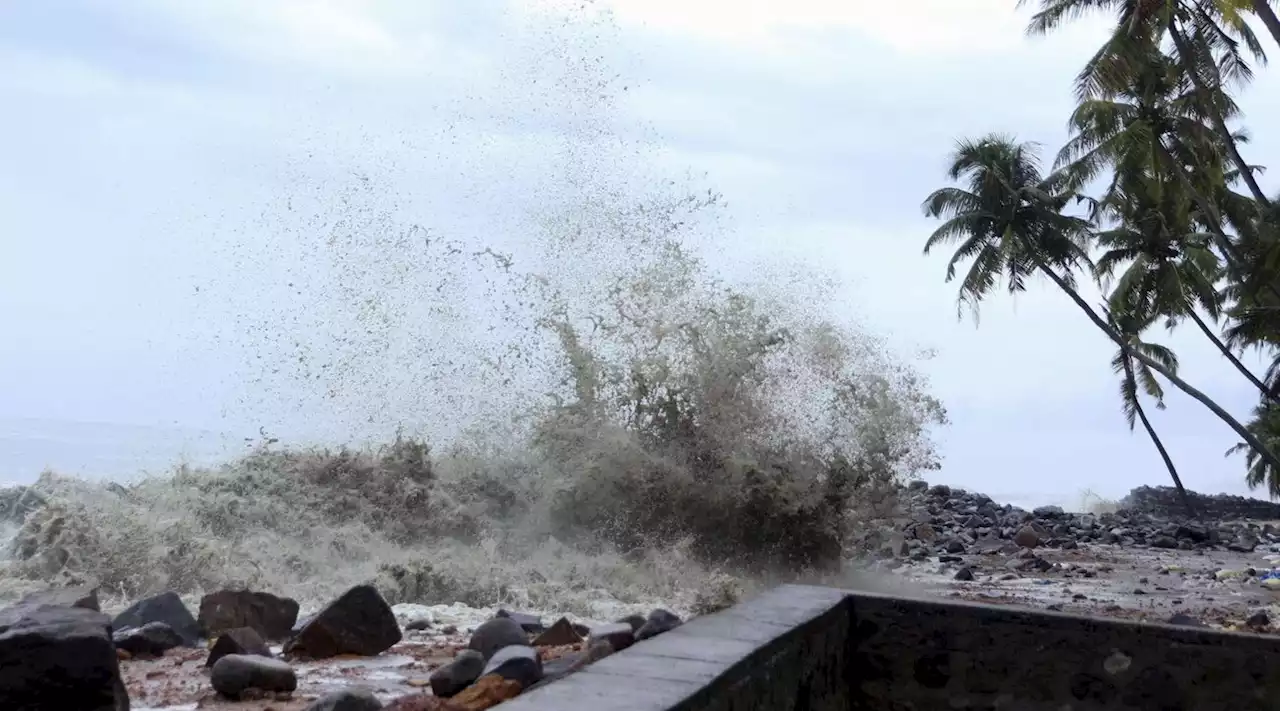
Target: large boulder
{"x": 167, "y": 608}
{"x": 273, "y": 617}
{"x": 359, "y": 622}
{"x": 55, "y": 657}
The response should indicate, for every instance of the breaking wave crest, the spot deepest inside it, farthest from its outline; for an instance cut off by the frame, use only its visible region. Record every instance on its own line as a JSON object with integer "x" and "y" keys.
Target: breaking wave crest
{"x": 574, "y": 404}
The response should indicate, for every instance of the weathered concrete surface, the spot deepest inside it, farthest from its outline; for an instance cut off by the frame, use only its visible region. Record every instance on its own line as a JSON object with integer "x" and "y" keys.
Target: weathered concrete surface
{"x": 811, "y": 648}
{"x": 911, "y": 654}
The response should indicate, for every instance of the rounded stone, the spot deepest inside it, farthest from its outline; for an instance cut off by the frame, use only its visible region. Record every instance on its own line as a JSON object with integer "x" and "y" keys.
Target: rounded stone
{"x": 234, "y": 674}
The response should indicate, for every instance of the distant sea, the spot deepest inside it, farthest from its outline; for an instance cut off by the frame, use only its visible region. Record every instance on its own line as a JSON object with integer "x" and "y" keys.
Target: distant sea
{"x": 104, "y": 450}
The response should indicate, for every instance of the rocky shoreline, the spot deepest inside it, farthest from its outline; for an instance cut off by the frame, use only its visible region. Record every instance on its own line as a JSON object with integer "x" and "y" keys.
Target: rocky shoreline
{"x": 249, "y": 650}
{"x": 1149, "y": 562}
{"x": 253, "y": 650}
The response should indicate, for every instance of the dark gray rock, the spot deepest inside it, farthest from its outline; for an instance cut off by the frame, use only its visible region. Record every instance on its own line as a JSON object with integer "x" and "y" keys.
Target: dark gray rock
{"x": 518, "y": 663}
{"x": 235, "y": 674}
{"x": 458, "y": 674}
{"x": 659, "y": 621}
{"x": 242, "y": 640}
{"x": 637, "y": 621}
{"x": 1164, "y": 542}
{"x": 1258, "y": 620}
{"x": 358, "y": 622}
{"x": 492, "y": 635}
{"x": 964, "y": 574}
{"x": 57, "y": 658}
{"x": 619, "y": 635}
{"x": 360, "y": 699}
{"x": 273, "y": 617}
{"x": 419, "y": 625}
{"x": 1185, "y": 620}
{"x": 150, "y": 640}
{"x": 167, "y": 608}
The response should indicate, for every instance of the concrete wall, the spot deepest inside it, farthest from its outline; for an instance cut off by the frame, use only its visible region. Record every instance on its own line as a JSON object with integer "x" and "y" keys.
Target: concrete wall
{"x": 800, "y": 648}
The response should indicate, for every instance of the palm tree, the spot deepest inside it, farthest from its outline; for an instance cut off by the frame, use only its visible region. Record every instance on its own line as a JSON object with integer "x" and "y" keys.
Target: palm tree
{"x": 1134, "y": 375}
{"x": 1010, "y": 224}
{"x": 1169, "y": 270}
{"x": 1233, "y": 12}
{"x": 1206, "y": 36}
{"x": 1265, "y": 425}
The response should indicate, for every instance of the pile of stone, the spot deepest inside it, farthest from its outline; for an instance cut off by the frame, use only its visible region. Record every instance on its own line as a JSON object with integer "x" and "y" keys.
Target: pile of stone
{"x": 945, "y": 522}
{"x": 58, "y": 651}
{"x": 1165, "y": 502}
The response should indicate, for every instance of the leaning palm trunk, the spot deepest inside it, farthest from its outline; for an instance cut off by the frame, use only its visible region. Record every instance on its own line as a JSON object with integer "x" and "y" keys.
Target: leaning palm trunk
{"x": 1263, "y": 10}
{"x": 1253, "y": 442}
{"x": 1219, "y": 123}
{"x": 1226, "y": 352}
{"x": 1155, "y": 438}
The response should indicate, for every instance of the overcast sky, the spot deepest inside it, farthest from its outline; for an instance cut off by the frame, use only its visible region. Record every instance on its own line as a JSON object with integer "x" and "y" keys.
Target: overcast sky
{"x": 156, "y": 154}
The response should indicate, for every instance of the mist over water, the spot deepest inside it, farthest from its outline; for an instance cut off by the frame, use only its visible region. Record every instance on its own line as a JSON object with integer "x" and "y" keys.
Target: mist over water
{"x": 530, "y": 384}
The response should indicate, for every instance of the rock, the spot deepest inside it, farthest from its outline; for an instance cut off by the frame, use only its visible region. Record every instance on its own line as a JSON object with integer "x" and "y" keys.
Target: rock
{"x": 560, "y": 633}
{"x": 618, "y": 635}
{"x": 167, "y": 608}
{"x": 955, "y": 545}
{"x": 79, "y": 596}
{"x": 529, "y": 623}
{"x": 358, "y": 622}
{"x": 1027, "y": 537}
{"x": 964, "y": 574}
{"x": 235, "y": 674}
{"x": 56, "y": 658}
{"x": 659, "y": 621}
{"x": 518, "y": 663}
{"x": 1185, "y": 620}
{"x": 925, "y": 532}
{"x": 359, "y": 699}
{"x": 940, "y": 491}
{"x": 273, "y": 617}
{"x": 242, "y": 640}
{"x": 1164, "y": 542}
{"x": 1036, "y": 564}
{"x": 494, "y": 634}
{"x": 150, "y": 640}
{"x": 1243, "y": 544}
{"x": 487, "y": 692}
{"x": 1047, "y": 511}
{"x": 636, "y": 621}
{"x": 1258, "y": 620}
{"x": 419, "y": 625}
{"x": 458, "y": 674}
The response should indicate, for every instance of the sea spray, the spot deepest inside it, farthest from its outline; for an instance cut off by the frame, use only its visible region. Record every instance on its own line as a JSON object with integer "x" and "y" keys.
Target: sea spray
{"x": 576, "y": 406}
